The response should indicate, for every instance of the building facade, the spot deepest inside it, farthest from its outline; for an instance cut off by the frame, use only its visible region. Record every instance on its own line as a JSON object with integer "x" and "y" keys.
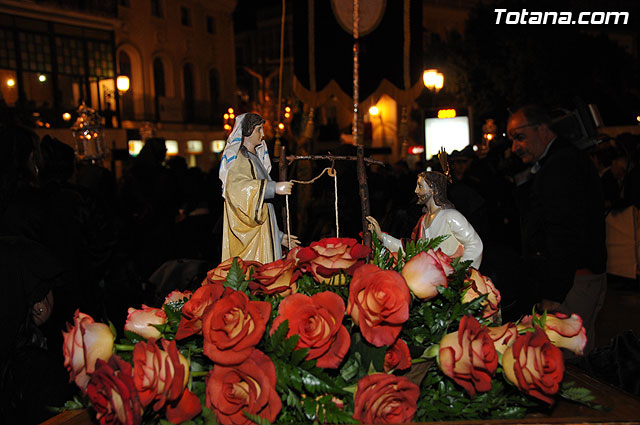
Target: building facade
{"x": 179, "y": 56}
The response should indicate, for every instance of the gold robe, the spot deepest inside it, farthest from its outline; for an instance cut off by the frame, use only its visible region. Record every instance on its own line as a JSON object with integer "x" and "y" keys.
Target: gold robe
{"x": 250, "y": 230}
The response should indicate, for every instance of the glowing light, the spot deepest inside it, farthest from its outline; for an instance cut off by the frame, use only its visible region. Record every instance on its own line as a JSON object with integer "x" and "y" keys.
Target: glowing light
{"x": 451, "y": 134}
{"x": 281, "y": 126}
{"x": 217, "y": 146}
{"x": 638, "y": 118}
{"x": 475, "y": 148}
{"x": 135, "y": 146}
{"x": 172, "y": 147}
{"x": 488, "y": 136}
{"x": 227, "y": 127}
{"x": 446, "y": 113}
{"x": 122, "y": 82}
{"x": 194, "y": 146}
{"x": 433, "y": 80}
{"x": 11, "y": 82}
{"x": 226, "y": 116}
{"x": 374, "y": 110}
{"x": 415, "y": 150}
{"x": 230, "y": 110}
{"x": 232, "y": 116}
{"x": 47, "y": 125}
{"x": 66, "y": 116}
{"x": 287, "y": 109}
{"x": 42, "y": 78}
{"x": 287, "y": 115}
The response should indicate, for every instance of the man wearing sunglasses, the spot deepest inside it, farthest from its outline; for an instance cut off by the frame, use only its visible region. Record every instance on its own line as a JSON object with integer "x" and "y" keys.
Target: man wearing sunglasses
{"x": 562, "y": 221}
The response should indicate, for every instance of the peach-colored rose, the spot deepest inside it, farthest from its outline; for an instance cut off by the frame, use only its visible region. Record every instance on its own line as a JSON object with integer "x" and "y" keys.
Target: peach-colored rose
{"x": 232, "y": 327}
{"x": 378, "y": 303}
{"x": 468, "y": 356}
{"x": 476, "y": 285}
{"x": 176, "y": 297}
{"x": 219, "y": 274}
{"x": 318, "y": 322}
{"x": 141, "y": 321}
{"x": 503, "y": 336}
{"x": 84, "y": 343}
{"x": 426, "y": 271}
{"x": 328, "y": 257}
{"x": 563, "y": 331}
{"x": 249, "y": 386}
{"x": 534, "y": 365}
{"x": 278, "y": 277}
{"x": 193, "y": 310}
{"x": 397, "y": 356}
{"x": 161, "y": 376}
{"x": 385, "y": 399}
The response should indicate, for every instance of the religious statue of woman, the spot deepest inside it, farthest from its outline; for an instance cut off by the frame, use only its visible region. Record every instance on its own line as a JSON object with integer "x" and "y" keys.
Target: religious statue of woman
{"x": 440, "y": 218}
{"x": 250, "y": 229}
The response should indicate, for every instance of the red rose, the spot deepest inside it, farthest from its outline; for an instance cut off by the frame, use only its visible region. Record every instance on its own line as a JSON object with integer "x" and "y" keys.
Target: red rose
{"x": 142, "y": 322}
{"x": 113, "y": 394}
{"x": 563, "y": 331}
{"x": 426, "y": 271}
{"x": 378, "y": 303}
{"x": 326, "y": 258}
{"x": 503, "y": 336}
{"x": 385, "y": 399}
{"x": 534, "y": 365}
{"x": 161, "y": 376}
{"x": 278, "y": 277}
{"x": 84, "y": 343}
{"x": 192, "y": 311}
{"x": 249, "y": 386}
{"x": 397, "y": 356}
{"x": 468, "y": 356}
{"x": 232, "y": 327}
{"x": 477, "y": 285}
{"x": 219, "y": 274}
{"x": 318, "y": 321}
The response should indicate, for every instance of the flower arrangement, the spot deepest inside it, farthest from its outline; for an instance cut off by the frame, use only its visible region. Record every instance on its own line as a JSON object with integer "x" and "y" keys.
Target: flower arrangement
{"x": 323, "y": 336}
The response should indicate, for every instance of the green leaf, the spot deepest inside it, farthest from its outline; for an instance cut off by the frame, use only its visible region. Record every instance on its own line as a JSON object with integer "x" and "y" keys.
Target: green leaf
{"x": 131, "y": 338}
{"x": 350, "y": 368}
{"x": 289, "y": 345}
{"x": 581, "y": 395}
{"x": 372, "y": 356}
{"x": 235, "y": 277}
{"x": 113, "y": 330}
{"x": 209, "y": 416}
{"x": 255, "y": 418}
{"x": 279, "y": 335}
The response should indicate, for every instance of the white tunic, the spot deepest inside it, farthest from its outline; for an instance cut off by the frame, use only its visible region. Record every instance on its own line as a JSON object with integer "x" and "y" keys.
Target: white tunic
{"x": 462, "y": 239}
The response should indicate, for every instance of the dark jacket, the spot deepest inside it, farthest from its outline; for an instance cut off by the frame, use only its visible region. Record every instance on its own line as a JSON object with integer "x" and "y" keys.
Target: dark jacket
{"x": 562, "y": 221}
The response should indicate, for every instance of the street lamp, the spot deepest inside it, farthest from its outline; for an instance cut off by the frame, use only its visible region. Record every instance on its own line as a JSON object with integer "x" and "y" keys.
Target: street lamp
{"x": 122, "y": 83}
{"x": 374, "y": 111}
{"x": 433, "y": 80}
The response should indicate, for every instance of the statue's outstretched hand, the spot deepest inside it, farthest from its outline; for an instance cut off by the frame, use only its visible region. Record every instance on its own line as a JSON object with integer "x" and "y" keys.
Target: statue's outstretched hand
{"x": 373, "y": 225}
{"x": 294, "y": 242}
{"x": 284, "y": 188}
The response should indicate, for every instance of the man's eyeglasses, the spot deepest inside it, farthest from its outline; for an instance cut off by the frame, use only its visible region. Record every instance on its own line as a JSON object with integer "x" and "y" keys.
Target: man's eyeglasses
{"x": 519, "y": 137}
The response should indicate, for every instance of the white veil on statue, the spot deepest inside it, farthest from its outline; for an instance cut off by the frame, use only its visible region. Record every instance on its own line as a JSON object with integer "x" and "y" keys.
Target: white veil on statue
{"x": 230, "y": 153}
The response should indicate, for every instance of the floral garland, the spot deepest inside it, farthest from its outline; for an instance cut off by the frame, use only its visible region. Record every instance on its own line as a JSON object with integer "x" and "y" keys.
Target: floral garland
{"x": 322, "y": 336}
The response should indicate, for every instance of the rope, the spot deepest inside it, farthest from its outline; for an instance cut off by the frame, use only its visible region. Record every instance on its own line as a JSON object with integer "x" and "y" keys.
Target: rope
{"x": 332, "y": 173}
